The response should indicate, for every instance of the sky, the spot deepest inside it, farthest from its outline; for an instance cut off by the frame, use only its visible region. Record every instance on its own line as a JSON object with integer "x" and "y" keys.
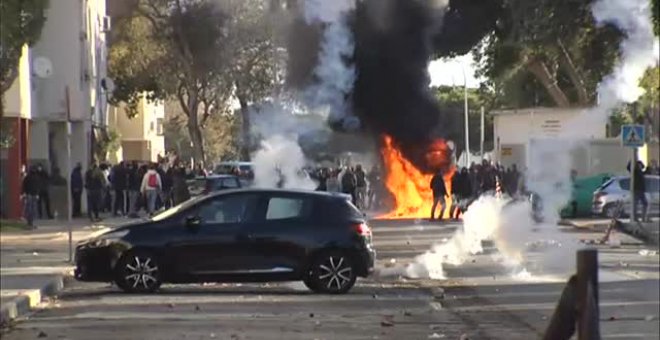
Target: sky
{"x": 450, "y": 71}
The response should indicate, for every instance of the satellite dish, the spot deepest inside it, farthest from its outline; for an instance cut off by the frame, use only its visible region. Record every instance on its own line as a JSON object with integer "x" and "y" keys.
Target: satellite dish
{"x": 42, "y": 67}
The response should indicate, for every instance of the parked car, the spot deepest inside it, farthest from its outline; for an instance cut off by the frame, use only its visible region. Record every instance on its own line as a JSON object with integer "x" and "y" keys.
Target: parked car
{"x": 203, "y": 185}
{"x": 244, "y": 171}
{"x": 246, "y": 235}
{"x": 582, "y": 195}
{"x": 618, "y": 189}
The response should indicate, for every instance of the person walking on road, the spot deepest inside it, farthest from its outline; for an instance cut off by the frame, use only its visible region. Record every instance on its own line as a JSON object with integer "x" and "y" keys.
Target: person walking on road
{"x": 134, "y": 183}
{"x": 151, "y": 186}
{"x": 439, "y": 194}
{"x": 180, "y": 192}
{"x": 76, "y": 190}
{"x": 95, "y": 184}
{"x": 30, "y": 190}
{"x": 119, "y": 185}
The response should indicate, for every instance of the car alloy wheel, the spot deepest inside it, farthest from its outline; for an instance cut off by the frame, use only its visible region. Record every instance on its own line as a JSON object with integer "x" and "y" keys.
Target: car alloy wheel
{"x": 138, "y": 273}
{"x": 333, "y": 273}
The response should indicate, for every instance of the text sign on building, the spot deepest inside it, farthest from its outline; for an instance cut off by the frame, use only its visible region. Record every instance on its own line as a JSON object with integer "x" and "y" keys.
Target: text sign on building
{"x": 632, "y": 135}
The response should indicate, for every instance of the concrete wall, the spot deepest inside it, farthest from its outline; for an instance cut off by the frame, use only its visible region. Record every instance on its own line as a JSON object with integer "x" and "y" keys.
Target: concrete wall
{"x": 18, "y": 99}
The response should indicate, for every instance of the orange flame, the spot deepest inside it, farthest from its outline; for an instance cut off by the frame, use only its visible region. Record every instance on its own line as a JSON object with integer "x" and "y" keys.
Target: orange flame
{"x": 410, "y": 187}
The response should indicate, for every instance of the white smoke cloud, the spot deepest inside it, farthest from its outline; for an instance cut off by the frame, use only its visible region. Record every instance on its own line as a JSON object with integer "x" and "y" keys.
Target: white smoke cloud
{"x": 334, "y": 74}
{"x": 279, "y": 162}
{"x": 509, "y": 225}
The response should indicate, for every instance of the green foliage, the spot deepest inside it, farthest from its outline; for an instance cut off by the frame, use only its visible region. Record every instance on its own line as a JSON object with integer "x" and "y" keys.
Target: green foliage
{"x": 21, "y": 22}
{"x": 199, "y": 53}
{"x": 547, "y": 53}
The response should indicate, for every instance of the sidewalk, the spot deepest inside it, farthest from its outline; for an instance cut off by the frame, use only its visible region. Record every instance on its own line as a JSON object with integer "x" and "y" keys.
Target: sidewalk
{"x": 34, "y": 263}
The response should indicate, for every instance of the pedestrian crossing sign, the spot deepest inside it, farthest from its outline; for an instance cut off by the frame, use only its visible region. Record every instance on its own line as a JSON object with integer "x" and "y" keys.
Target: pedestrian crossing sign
{"x": 632, "y": 135}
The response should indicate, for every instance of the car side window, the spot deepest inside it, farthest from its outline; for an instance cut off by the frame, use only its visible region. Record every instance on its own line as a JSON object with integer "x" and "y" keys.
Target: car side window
{"x": 281, "y": 208}
{"x": 226, "y": 210}
{"x": 229, "y": 183}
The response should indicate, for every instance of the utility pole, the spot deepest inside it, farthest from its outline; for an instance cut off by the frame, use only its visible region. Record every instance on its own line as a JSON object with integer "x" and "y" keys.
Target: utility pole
{"x": 483, "y": 134}
{"x": 467, "y": 121}
{"x": 69, "y": 200}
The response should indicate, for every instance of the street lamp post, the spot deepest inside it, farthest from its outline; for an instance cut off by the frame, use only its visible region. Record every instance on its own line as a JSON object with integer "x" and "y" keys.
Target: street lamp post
{"x": 467, "y": 121}
{"x": 69, "y": 199}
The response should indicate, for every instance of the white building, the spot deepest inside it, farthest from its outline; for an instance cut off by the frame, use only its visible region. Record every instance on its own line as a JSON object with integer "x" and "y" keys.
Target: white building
{"x": 515, "y": 133}
{"x": 74, "y": 42}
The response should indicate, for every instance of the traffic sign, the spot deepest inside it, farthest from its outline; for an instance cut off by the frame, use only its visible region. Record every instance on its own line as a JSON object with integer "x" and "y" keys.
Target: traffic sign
{"x": 632, "y": 135}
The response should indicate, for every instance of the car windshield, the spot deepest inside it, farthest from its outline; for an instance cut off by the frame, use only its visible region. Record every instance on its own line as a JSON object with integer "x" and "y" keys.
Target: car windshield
{"x": 172, "y": 211}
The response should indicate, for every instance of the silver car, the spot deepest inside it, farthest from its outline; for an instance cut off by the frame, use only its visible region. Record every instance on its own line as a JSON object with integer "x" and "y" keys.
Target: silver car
{"x": 618, "y": 189}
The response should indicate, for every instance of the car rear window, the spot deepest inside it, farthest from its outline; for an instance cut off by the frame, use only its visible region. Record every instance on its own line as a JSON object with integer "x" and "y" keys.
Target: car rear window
{"x": 337, "y": 209}
{"x": 223, "y": 183}
{"x": 282, "y": 208}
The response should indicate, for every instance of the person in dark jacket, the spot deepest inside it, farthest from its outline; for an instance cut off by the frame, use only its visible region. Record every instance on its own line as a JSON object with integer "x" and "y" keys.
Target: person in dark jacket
{"x": 76, "y": 189}
{"x": 349, "y": 184}
{"x": 439, "y": 194}
{"x": 180, "y": 191}
{"x": 95, "y": 185}
{"x": 30, "y": 191}
{"x": 361, "y": 187}
{"x": 461, "y": 191}
{"x": 119, "y": 185}
{"x": 43, "y": 183}
{"x": 134, "y": 182}
{"x": 639, "y": 189}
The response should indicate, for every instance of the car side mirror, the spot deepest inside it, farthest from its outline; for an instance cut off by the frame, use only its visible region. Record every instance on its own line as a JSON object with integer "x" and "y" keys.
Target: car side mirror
{"x": 193, "y": 222}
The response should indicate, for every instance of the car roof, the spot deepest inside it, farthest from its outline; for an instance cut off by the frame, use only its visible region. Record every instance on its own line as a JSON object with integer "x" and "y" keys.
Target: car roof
{"x": 216, "y": 176}
{"x": 626, "y": 177}
{"x": 267, "y": 191}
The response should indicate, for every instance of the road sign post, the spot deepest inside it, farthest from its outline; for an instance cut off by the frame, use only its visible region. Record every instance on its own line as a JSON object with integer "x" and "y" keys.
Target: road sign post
{"x": 633, "y": 136}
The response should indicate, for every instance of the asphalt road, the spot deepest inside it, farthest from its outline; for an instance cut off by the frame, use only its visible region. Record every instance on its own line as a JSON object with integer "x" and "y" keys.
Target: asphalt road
{"x": 481, "y": 299}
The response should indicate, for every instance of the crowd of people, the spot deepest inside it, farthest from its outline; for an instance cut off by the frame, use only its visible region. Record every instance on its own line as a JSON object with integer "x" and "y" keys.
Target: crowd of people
{"x": 124, "y": 189}
{"x": 127, "y": 188}
{"x": 364, "y": 188}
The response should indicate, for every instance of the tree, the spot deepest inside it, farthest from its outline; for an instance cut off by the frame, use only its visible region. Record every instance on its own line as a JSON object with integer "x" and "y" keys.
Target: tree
{"x": 548, "y": 52}
{"x": 174, "y": 49}
{"x": 21, "y": 22}
{"x": 201, "y": 53}
{"x": 256, "y": 61}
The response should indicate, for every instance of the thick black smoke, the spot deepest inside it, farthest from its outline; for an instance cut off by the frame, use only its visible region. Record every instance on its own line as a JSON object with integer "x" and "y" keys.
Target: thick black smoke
{"x": 394, "y": 42}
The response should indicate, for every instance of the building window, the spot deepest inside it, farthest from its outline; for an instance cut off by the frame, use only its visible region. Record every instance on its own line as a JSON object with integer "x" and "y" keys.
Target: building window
{"x": 159, "y": 126}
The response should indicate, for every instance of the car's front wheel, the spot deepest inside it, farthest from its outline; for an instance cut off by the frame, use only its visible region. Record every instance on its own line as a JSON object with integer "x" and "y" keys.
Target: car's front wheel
{"x": 332, "y": 272}
{"x": 138, "y": 272}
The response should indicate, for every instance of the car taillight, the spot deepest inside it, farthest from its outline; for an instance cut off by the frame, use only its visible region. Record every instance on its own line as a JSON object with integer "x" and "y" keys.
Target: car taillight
{"x": 363, "y": 229}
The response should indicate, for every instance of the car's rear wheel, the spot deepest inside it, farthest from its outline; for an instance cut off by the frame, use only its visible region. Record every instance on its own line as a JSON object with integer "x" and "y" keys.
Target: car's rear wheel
{"x": 138, "y": 272}
{"x": 332, "y": 272}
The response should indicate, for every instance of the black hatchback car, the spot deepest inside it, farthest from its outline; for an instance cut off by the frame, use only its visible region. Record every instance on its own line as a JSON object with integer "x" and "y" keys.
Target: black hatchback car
{"x": 247, "y": 235}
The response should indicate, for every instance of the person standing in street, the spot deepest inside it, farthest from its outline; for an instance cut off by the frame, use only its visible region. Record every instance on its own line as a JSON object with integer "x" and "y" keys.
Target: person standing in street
{"x": 439, "y": 194}
{"x": 134, "y": 183}
{"x": 180, "y": 192}
{"x": 119, "y": 184}
{"x": 151, "y": 186}
{"x": 30, "y": 191}
{"x": 349, "y": 184}
{"x": 94, "y": 184}
{"x": 76, "y": 190}
{"x": 43, "y": 183}
{"x": 639, "y": 189}
{"x": 361, "y": 189}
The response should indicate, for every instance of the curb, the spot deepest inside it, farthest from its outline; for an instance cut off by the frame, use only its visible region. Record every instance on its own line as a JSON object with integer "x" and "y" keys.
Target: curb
{"x": 27, "y": 300}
